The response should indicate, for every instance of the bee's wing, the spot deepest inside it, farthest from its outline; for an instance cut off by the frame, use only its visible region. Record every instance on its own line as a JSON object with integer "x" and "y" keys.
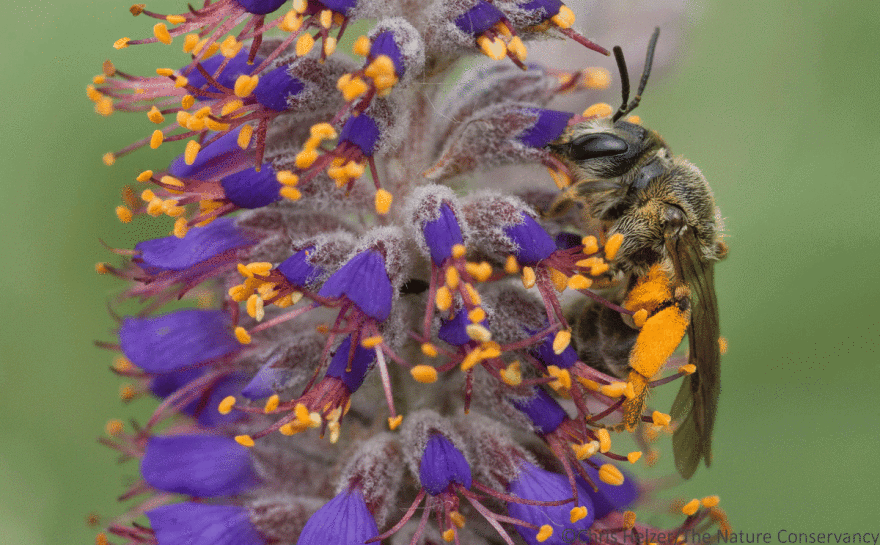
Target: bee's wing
{"x": 697, "y": 400}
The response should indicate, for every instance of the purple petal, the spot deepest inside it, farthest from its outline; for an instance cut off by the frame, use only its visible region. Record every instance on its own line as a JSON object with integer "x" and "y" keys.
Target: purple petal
{"x": 252, "y": 189}
{"x": 545, "y": 353}
{"x": 340, "y": 6}
{"x": 362, "y": 132}
{"x": 547, "y": 128}
{"x": 544, "y": 412}
{"x": 204, "y": 408}
{"x": 261, "y": 7}
{"x": 478, "y": 19}
{"x": 176, "y": 340}
{"x": 297, "y": 270}
{"x": 442, "y": 464}
{"x": 344, "y": 520}
{"x": 360, "y": 363}
{"x": 609, "y": 497}
{"x": 442, "y": 234}
{"x": 197, "y": 465}
{"x": 275, "y": 87}
{"x": 534, "y": 483}
{"x": 203, "y": 524}
{"x": 364, "y": 281}
{"x": 532, "y": 240}
{"x": 384, "y": 44}
{"x": 198, "y": 245}
{"x": 454, "y": 331}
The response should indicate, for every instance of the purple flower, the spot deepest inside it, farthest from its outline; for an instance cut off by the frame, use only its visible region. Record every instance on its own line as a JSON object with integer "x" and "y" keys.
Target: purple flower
{"x": 261, "y": 7}
{"x": 218, "y": 159}
{"x": 176, "y": 340}
{"x": 237, "y": 66}
{"x": 384, "y": 44}
{"x": 275, "y": 87}
{"x": 443, "y": 464}
{"x": 544, "y": 412}
{"x": 204, "y": 407}
{"x": 202, "y": 524}
{"x": 351, "y": 372}
{"x": 297, "y": 270}
{"x": 442, "y": 234}
{"x": 364, "y": 281}
{"x": 200, "y": 244}
{"x": 534, "y": 483}
{"x": 362, "y": 132}
{"x": 197, "y": 465}
{"x": 533, "y": 242}
{"x": 547, "y": 128}
{"x": 609, "y": 497}
{"x": 545, "y": 353}
{"x": 252, "y": 189}
{"x": 339, "y": 6}
{"x": 344, "y": 520}
{"x": 479, "y": 18}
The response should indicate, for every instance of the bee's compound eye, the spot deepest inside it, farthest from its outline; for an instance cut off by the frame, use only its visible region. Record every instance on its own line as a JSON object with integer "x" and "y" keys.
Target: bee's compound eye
{"x": 591, "y": 146}
{"x": 674, "y": 220}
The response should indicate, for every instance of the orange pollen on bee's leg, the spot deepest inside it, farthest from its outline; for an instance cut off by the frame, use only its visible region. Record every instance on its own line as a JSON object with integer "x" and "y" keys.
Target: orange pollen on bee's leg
{"x": 657, "y": 340}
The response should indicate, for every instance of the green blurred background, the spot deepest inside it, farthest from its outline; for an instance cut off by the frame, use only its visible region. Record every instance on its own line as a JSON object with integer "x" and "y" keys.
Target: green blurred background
{"x": 775, "y": 101}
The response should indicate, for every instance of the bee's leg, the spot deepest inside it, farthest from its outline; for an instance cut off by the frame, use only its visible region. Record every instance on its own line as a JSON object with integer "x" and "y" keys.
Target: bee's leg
{"x": 635, "y": 406}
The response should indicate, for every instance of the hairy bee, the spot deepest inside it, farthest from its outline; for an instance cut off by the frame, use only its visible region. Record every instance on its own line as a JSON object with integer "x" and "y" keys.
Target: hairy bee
{"x": 626, "y": 180}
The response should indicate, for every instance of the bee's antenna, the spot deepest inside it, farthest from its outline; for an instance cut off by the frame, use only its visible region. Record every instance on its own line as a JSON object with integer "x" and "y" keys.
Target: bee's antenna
{"x": 624, "y": 76}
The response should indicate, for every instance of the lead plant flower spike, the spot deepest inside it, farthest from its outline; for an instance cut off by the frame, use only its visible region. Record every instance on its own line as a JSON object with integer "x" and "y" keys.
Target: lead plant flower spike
{"x": 362, "y": 353}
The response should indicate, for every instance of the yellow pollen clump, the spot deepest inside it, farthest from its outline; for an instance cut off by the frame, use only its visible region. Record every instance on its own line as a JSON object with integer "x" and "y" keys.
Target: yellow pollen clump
{"x": 225, "y": 406}
{"x": 160, "y": 31}
{"x": 322, "y": 131}
{"x": 604, "y": 440}
{"x": 634, "y": 456}
{"x": 93, "y": 94}
{"x": 528, "y": 277}
{"x": 192, "y": 151}
{"x": 424, "y": 374}
{"x": 229, "y": 47}
{"x": 255, "y": 307}
{"x": 261, "y": 268}
{"x": 612, "y": 245}
{"x": 615, "y": 389}
{"x": 352, "y": 87}
{"x": 472, "y": 295}
{"x": 155, "y": 115}
{"x": 145, "y": 176}
{"x": 104, "y": 106}
{"x": 101, "y": 539}
{"x": 306, "y": 158}
{"x": 245, "y": 85}
{"x": 657, "y": 340}
{"x": 559, "y": 279}
{"x": 371, "y": 342}
{"x": 577, "y": 513}
{"x": 190, "y": 41}
{"x": 634, "y": 119}
{"x": 458, "y": 251}
{"x": 361, "y": 46}
{"x": 478, "y": 332}
{"x": 544, "y": 533}
{"x": 448, "y": 535}
{"x": 291, "y": 22}
{"x": 290, "y": 193}
{"x": 564, "y": 18}
{"x": 512, "y": 374}
{"x": 304, "y": 44}
{"x": 480, "y": 271}
{"x": 156, "y": 139}
{"x": 121, "y": 43}
{"x": 609, "y": 474}
{"x": 383, "y": 201}
{"x": 691, "y": 507}
{"x": 453, "y": 278}
{"x": 599, "y": 109}
{"x": 579, "y": 282}
{"x": 660, "y": 419}
{"x": 242, "y": 335}
{"x": 516, "y": 46}
{"x": 561, "y": 179}
{"x": 175, "y": 19}
{"x": 510, "y": 265}
{"x": 474, "y": 357}
{"x": 710, "y": 501}
{"x": 476, "y": 315}
{"x": 300, "y": 6}
{"x": 429, "y": 350}
{"x": 286, "y": 177}
{"x": 596, "y": 78}
{"x": 124, "y": 214}
{"x": 457, "y": 519}
{"x": 562, "y": 376}
{"x": 102, "y": 268}
{"x": 492, "y": 48}
{"x": 640, "y": 317}
{"x": 393, "y": 423}
{"x": 443, "y": 298}
{"x": 271, "y": 403}
{"x": 181, "y": 227}
{"x": 326, "y": 18}
{"x": 114, "y": 427}
{"x": 722, "y": 345}
{"x": 380, "y": 66}
{"x": 591, "y": 244}
{"x": 688, "y": 369}
{"x": 629, "y": 519}
{"x": 244, "y": 440}
{"x": 561, "y": 341}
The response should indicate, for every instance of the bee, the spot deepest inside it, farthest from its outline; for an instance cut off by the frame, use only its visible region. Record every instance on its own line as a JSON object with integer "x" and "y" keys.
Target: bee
{"x": 625, "y": 180}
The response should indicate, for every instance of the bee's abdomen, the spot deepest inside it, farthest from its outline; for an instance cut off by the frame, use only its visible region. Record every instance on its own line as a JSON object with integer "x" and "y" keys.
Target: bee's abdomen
{"x": 602, "y": 339}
